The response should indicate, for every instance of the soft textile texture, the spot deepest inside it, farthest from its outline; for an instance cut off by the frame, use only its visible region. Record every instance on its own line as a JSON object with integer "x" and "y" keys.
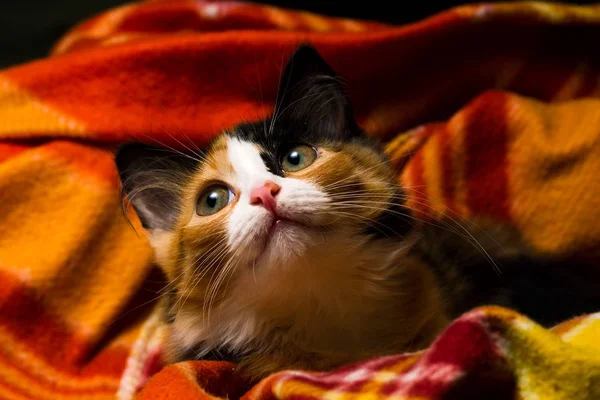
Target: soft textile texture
{"x": 500, "y": 109}
{"x": 489, "y": 353}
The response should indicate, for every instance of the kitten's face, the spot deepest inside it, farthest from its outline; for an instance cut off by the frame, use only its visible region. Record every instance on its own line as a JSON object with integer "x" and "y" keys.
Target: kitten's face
{"x": 279, "y": 203}
{"x": 268, "y": 202}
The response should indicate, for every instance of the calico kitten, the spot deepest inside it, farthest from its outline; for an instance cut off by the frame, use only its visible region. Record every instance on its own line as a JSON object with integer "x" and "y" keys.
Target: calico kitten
{"x": 287, "y": 242}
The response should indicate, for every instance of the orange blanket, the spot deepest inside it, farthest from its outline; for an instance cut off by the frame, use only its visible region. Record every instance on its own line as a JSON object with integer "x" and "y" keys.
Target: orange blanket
{"x": 501, "y": 113}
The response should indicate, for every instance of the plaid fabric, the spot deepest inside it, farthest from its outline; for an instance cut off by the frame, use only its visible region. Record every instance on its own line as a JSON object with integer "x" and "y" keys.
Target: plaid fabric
{"x": 500, "y": 109}
{"x": 487, "y": 353}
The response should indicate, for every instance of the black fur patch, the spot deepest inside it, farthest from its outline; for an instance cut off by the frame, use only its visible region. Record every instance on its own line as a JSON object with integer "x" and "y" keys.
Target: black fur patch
{"x": 311, "y": 108}
{"x": 151, "y": 177}
{"x": 548, "y": 291}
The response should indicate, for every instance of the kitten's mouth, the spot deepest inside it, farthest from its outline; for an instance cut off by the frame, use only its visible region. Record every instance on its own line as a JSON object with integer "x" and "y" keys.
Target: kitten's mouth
{"x": 275, "y": 232}
{"x": 277, "y": 222}
{"x": 280, "y": 222}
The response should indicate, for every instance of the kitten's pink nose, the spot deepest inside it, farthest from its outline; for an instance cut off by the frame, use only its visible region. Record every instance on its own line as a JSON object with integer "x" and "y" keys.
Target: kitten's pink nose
{"x": 265, "y": 195}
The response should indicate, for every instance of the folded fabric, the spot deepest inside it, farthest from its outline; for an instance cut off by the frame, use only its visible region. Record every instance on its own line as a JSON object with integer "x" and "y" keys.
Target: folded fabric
{"x": 488, "y": 353}
{"x": 500, "y": 109}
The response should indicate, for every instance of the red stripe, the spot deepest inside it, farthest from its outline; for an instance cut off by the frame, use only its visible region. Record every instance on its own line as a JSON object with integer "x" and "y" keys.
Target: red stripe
{"x": 486, "y": 149}
{"x": 447, "y": 167}
{"x": 465, "y": 344}
{"x": 51, "y": 382}
{"x": 220, "y": 378}
{"x": 5, "y": 387}
{"x": 49, "y": 339}
{"x": 25, "y": 318}
{"x": 316, "y": 382}
{"x": 417, "y": 189}
{"x": 27, "y": 390}
{"x": 10, "y": 150}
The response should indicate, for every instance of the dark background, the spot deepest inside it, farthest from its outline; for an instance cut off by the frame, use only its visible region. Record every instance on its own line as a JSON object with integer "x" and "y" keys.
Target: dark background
{"x": 28, "y": 28}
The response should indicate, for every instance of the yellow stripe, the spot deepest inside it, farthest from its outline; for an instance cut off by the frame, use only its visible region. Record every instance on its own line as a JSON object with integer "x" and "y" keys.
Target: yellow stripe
{"x": 103, "y": 27}
{"x": 586, "y": 333}
{"x": 456, "y": 128}
{"x": 539, "y": 198}
{"x": 22, "y": 383}
{"x": 352, "y": 25}
{"x": 545, "y": 11}
{"x": 315, "y": 22}
{"x": 22, "y": 114}
{"x": 541, "y": 359}
{"x": 292, "y": 387}
{"x": 16, "y": 352}
{"x": 5, "y": 394}
{"x": 431, "y": 167}
{"x": 81, "y": 276}
{"x": 282, "y": 19}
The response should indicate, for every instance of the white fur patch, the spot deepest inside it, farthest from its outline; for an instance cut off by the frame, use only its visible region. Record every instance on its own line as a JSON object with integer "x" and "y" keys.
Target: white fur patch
{"x": 248, "y": 224}
{"x": 248, "y": 165}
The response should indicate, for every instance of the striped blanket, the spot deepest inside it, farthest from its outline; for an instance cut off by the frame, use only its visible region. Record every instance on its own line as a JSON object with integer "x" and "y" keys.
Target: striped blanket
{"x": 491, "y": 111}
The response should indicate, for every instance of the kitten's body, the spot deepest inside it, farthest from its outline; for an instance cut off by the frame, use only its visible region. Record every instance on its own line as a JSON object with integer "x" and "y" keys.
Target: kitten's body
{"x": 321, "y": 313}
{"x": 308, "y": 265}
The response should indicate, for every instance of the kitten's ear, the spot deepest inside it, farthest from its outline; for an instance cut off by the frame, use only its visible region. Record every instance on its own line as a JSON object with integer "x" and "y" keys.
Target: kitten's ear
{"x": 310, "y": 93}
{"x": 153, "y": 179}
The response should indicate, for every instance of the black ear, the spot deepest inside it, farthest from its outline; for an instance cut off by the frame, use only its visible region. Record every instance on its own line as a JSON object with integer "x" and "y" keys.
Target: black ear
{"x": 153, "y": 178}
{"x": 311, "y": 94}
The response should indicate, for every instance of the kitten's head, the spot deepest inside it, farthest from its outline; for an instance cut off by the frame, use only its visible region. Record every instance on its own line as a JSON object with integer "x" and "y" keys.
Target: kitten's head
{"x": 283, "y": 205}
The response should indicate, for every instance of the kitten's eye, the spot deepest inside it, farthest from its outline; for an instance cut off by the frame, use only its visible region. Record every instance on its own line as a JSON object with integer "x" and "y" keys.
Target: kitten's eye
{"x": 298, "y": 158}
{"x": 213, "y": 200}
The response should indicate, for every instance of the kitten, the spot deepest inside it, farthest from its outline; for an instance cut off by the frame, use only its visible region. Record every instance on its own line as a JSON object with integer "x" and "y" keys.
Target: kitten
{"x": 287, "y": 243}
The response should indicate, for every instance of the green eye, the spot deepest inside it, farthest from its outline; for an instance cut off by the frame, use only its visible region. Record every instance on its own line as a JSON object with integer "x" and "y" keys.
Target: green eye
{"x": 213, "y": 200}
{"x": 298, "y": 158}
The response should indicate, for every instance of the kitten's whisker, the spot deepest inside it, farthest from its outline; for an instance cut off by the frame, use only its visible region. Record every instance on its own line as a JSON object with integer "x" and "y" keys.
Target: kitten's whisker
{"x": 417, "y": 200}
{"x": 277, "y": 103}
{"x": 387, "y": 185}
{"x": 261, "y": 97}
{"x": 172, "y": 149}
{"x": 183, "y": 145}
{"x": 359, "y": 184}
{"x": 161, "y": 293}
{"x": 386, "y": 161}
{"x": 410, "y": 216}
{"x": 214, "y": 288}
{"x": 198, "y": 151}
{"x": 225, "y": 272}
{"x": 305, "y": 97}
{"x": 454, "y": 220}
{"x": 205, "y": 304}
{"x": 198, "y": 273}
{"x": 207, "y": 265}
{"x": 220, "y": 232}
{"x": 467, "y": 235}
{"x": 362, "y": 219}
{"x": 211, "y": 256}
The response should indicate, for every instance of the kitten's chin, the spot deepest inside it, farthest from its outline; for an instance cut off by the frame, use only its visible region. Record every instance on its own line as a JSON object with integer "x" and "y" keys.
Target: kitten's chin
{"x": 286, "y": 240}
